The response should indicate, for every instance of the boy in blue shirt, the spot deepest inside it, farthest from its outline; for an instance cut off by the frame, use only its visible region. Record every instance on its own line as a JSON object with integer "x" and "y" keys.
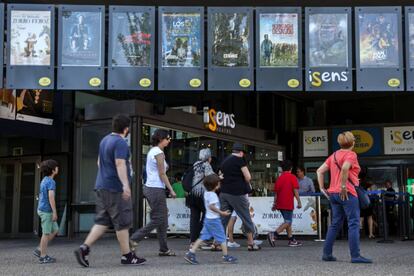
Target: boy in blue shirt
{"x": 47, "y": 209}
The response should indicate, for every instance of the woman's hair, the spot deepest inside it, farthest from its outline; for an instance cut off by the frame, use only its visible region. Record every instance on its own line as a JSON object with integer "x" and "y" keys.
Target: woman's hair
{"x": 204, "y": 154}
{"x": 158, "y": 136}
{"x": 48, "y": 166}
{"x": 346, "y": 140}
{"x": 211, "y": 181}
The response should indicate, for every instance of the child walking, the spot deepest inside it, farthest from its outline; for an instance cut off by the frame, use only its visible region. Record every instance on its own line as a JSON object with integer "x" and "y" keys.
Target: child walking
{"x": 47, "y": 209}
{"x": 212, "y": 227}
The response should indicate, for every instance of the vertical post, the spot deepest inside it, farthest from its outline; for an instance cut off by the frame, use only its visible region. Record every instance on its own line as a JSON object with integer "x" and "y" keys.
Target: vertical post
{"x": 384, "y": 222}
{"x": 318, "y": 200}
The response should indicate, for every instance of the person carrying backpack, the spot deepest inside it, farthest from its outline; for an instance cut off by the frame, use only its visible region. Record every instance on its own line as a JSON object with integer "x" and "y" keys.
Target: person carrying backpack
{"x": 195, "y": 197}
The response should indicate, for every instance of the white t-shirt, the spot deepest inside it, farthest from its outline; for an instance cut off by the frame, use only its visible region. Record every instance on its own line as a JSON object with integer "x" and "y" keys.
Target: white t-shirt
{"x": 153, "y": 177}
{"x": 211, "y": 198}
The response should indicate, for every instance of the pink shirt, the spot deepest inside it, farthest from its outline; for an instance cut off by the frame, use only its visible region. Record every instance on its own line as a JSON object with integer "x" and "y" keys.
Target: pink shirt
{"x": 341, "y": 157}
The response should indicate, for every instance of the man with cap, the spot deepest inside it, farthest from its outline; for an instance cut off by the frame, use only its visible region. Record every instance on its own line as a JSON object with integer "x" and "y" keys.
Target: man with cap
{"x": 234, "y": 189}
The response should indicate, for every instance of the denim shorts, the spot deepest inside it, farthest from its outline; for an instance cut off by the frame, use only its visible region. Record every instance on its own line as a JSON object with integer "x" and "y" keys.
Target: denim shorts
{"x": 213, "y": 228}
{"x": 287, "y": 215}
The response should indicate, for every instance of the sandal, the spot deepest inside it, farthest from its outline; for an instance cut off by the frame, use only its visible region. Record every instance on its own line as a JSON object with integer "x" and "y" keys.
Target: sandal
{"x": 253, "y": 247}
{"x": 215, "y": 247}
{"x": 168, "y": 253}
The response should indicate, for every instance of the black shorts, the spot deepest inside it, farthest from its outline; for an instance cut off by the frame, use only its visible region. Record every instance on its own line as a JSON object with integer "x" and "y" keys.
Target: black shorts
{"x": 112, "y": 210}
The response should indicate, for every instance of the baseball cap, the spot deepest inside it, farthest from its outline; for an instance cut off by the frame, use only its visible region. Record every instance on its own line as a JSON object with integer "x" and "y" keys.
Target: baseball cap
{"x": 238, "y": 147}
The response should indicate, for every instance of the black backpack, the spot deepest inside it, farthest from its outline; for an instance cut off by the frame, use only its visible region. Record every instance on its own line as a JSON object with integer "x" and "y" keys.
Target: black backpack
{"x": 188, "y": 177}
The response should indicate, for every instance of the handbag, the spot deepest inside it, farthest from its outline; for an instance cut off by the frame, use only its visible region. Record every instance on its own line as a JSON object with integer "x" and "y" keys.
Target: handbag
{"x": 363, "y": 197}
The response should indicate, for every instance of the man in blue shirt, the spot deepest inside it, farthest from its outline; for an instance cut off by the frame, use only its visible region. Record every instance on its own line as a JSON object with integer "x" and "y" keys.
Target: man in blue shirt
{"x": 305, "y": 183}
{"x": 113, "y": 194}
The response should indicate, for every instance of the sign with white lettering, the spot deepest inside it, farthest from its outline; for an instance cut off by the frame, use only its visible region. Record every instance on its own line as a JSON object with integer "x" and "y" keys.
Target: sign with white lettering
{"x": 218, "y": 121}
{"x": 399, "y": 140}
{"x": 315, "y": 143}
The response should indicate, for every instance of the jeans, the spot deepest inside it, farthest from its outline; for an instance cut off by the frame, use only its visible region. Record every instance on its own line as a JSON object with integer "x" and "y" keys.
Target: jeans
{"x": 341, "y": 209}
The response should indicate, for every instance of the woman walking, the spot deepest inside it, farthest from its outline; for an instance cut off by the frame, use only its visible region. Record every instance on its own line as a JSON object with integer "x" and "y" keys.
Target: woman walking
{"x": 154, "y": 192}
{"x": 195, "y": 198}
{"x": 344, "y": 169}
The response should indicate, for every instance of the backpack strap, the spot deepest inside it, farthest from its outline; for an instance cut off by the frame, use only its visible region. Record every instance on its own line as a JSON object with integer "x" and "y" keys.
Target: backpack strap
{"x": 336, "y": 163}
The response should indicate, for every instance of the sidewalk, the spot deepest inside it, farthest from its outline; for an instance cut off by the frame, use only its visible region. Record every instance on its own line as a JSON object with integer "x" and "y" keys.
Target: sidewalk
{"x": 390, "y": 259}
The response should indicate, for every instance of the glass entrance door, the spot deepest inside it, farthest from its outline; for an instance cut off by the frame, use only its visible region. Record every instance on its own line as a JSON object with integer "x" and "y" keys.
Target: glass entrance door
{"x": 19, "y": 181}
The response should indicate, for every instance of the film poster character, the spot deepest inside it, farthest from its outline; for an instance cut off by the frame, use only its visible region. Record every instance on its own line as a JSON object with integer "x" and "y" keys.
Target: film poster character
{"x": 79, "y": 36}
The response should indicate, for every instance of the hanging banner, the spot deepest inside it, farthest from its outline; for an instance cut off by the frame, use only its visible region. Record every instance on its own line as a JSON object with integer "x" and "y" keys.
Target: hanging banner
{"x": 399, "y": 140}
{"x": 81, "y": 47}
{"x": 328, "y": 49}
{"x": 315, "y": 143}
{"x": 131, "y": 48}
{"x": 230, "y": 48}
{"x": 1, "y": 42}
{"x": 35, "y": 106}
{"x": 409, "y": 40}
{"x": 278, "y": 49}
{"x": 7, "y": 104}
{"x": 30, "y": 47}
{"x": 379, "y": 53}
{"x": 368, "y": 140}
{"x": 181, "y": 51}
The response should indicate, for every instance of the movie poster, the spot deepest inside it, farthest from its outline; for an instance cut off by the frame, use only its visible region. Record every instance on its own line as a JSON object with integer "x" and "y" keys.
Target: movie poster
{"x": 328, "y": 40}
{"x": 411, "y": 39}
{"x": 181, "y": 39}
{"x": 131, "y": 39}
{"x": 230, "y": 40}
{"x": 279, "y": 40}
{"x": 35, "y": 106}
{"x": 7, "y": 104}
{"x": 30, "y": 38}
{"x": 378, "y": 40}
{"x": 81, "y": 38}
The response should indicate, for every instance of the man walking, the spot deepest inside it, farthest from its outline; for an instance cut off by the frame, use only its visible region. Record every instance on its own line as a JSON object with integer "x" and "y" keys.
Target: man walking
{"x": 113, "y": 194}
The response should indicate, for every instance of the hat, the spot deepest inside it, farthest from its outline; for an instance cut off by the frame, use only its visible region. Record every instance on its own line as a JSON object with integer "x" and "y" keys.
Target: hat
{"x": 238, "y": 147}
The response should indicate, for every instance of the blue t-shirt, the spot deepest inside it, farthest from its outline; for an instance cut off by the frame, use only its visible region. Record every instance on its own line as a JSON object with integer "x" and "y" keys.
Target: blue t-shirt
{"x": 46, "y": 185}
{"x": 111, "y": 147}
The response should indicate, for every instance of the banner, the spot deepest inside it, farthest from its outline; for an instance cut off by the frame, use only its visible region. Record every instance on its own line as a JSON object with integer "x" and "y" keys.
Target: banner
{"x": 181, "y": 39}
{"x": 399, "y": 140}
{"x": 35, "y": 106}
{"x": 368, "y": 140}
{"x": 279, "y": 40}
{"x": 81, "y": 38}
{"x": 131, "y": 39}
{"x": 410, "y": 39}
{"x": 266, "y": 220}
{"x": 315, "y": 143}
{"x": 7, "y": 104}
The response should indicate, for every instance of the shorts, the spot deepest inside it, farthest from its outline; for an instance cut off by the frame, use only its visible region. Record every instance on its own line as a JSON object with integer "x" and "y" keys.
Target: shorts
{"x": 48, "y": 225}
{"x": 213, "y": 228}
{"x": 113, "y": 210}
{"x": 287, "y": 215}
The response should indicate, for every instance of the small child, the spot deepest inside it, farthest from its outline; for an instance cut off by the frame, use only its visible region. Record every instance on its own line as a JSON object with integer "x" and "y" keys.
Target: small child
{"x": 47, "y": 209}
{"x": 212, "y": 227}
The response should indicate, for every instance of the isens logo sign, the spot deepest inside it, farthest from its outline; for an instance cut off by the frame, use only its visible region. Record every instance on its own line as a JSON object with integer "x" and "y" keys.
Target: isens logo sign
{"x": 363, "y": 141}
{"x": 315, "y": 139}
{"x": 318, "y": 78}
{"x": 399, "y": 137}
{"x": 218, "y": 120}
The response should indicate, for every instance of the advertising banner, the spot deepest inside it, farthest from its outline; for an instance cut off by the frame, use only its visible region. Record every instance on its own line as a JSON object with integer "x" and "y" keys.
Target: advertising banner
{"x": 315, "y": 143}
{"x": 266, "y": 220}
{"x": 328, "y": 51}
{"x": 379, "y": 49}
{"x": 7, "y": 104}
{"x": 368, "y": 140}
{"x": 181, "y": 57}
{"x": 131, "y": 48}
{"x": 81, "y": 47}
{"x": 34, "y": 106}
{"x": 30, "y": 47}
{"x": 409, "y": 40}
{"x": 399, "y": 140}
{"x": 230, "y": 49}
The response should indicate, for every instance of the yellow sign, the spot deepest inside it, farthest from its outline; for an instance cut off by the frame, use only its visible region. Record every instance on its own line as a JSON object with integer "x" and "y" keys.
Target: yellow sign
{"x": 195, "y": 83}
{"x": 95, "y": 82}
{"x": 45, "y": 81}
{"x": 145, "y": 82}
{"x": 393, "y": 82}
{"x": 245, "y": 83}
{"x": 293, "y": 83}
{"x": 363, "y": 141}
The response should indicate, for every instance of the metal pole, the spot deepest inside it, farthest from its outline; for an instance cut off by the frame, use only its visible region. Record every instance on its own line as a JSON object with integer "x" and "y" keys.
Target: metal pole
{"x": 319, "y": 239}
{"x": 384, "y": 222}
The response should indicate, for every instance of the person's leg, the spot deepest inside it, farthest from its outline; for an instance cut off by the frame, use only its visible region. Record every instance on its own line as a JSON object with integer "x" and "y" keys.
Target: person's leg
{"x": 282, "y": 228}
{"x": 163, "y": 221}
{"x": 338, "y": 215}
{"x": 123, "y": 239}
{"x": 351, "y": 208}
{"x": 241, "y": 206}
{"x": 224, "y": 206}
{"x": 230, "y": 228}
{"x": 43, "y": 244}
{"x": 195, "y": 217}
{"x": 48, "y": 231}
{"x": 96, "y": 232}
{"x": 289, "y": 230}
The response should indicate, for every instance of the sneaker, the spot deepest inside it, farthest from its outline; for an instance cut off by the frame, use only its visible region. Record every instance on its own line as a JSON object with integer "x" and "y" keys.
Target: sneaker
{"x": 191, "y": 258}
{"x": 133, "y": 245}
{"x": 229, "y": 259}
{"x": 329, "y": 258}
{"x": 233, "y": 245}
{"x": 132, "y": 259}
{"x": 36, "y": 252}
{"x": 82, "y": 254}
{"x": 47, "y": 260}
{"x": 361, "y": 260}
{"x": 271, "y": 239}
{"x": 258, "y": 242}
{"x": 294, "y": 243}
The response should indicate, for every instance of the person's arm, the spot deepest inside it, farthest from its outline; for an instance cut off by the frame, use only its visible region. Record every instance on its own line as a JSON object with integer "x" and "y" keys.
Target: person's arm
{"x": 320, "y": 173}
{"x": 51, "y": 194}
{"x": 296, "y": 192}
{"x": 344, "y": 177}
{"x": 122, "y": 171}
{"x": 161, "y": 172}
{"x": 218, "y": 211}
{"x": 312, "y": 186}
{"x": 246, "y": 174}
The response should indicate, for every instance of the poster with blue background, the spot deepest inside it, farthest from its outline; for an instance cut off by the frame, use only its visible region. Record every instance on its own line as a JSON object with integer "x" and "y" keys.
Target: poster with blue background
{"x": 368, "y": 140}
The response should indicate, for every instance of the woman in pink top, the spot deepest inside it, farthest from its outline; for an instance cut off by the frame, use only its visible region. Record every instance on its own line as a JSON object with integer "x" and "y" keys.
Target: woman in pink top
{"x": 344, "y": 169}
